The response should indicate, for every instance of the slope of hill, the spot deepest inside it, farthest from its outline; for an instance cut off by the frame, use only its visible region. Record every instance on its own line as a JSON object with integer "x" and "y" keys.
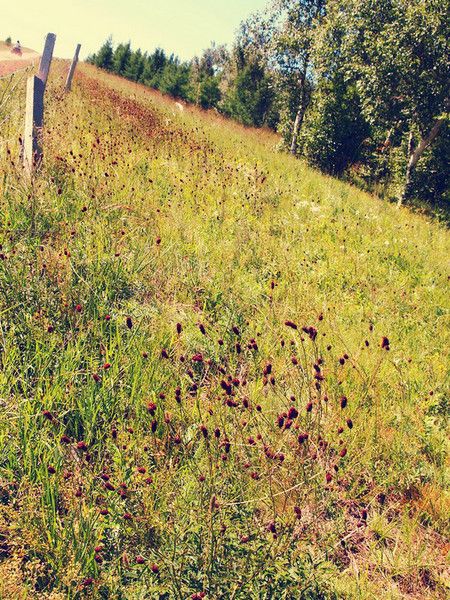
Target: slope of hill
{"x": 223, "y": 375}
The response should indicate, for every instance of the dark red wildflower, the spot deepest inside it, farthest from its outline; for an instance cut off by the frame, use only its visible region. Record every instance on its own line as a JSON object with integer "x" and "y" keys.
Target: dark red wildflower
{"x": 302, "y": 438}
{"x": 197, "y": 357}
{"x": 98, "y": 559}
{"x": 129, "y": 323}
{"x": 164, "y": 353}
{"x": 267, "y": 369}
{"x": 343, "y": 401}
{"x": 151, "y": 407}
{"x": 329, "y": 477}
{"x": 96, "y": 377}
{"x": 179, "y": 328}
{"x": 309, "y": 407}
{"x": 311, "y": 331}
{"x": 107, "y": 366}
{"x": 51, "y": 469}
{"x": 204, "y": 431}
{"x": 202, "y": 328}
{"x": 343, "y": 452}
{"x": 226, "y": 387}
{"x": 82, "y": 446}
{"x": 293, "y": 413}
{"x": 127, "y": 517}
{"x": 155, "y": 568}
{"x": 48, "y": 415}
{"x": 87, "y": 582}
{"x": 154, "y": 425}
{"x": 78, "y": 308}
{"x": 140, "y": 560}
{"x": 272, "y": 527}
{"x": 290, "y": 324}
{"x": 65, "y": 439}
{"x": 236, "y": 330}
{"x": 385, "y": 343}
{"x": 349, "y": 423}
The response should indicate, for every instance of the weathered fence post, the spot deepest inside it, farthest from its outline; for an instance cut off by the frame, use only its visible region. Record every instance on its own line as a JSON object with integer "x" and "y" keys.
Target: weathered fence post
{"x": 34, "y": 115}
{"x": 46, "y": 58}
{"x": 72, "y": 68}
{"x": 34, "y": 120}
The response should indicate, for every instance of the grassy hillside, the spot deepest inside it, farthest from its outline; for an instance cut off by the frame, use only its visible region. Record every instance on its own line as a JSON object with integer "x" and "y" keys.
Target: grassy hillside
{"x": 223, "y": 375}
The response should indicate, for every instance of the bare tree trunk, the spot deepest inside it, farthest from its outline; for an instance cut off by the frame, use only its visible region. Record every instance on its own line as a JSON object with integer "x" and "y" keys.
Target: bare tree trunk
{"x": 299, "y": 116}
{"x": 414, "y": 154}
{"x": 295, "y": 131}
{"x": 409, "y": 169}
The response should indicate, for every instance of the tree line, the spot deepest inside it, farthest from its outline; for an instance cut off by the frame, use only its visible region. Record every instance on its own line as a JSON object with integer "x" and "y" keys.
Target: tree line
{"x": 359, "y": 88}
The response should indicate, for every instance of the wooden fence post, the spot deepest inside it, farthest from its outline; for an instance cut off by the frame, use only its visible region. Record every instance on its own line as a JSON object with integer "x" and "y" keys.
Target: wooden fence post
{"x": 34, "y": 120}
{"x": 34, "y": 112}
{"x": 72, "y": 68}
{"x": 46, "y": 58}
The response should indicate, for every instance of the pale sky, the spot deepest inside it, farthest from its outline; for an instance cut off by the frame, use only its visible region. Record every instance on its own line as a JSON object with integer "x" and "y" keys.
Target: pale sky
{"x": 184, "y": 27}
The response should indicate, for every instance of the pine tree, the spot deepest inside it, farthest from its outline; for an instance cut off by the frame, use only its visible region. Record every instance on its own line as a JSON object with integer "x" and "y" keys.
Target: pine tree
{"x": 104, "y": 57}
{"x": 121, "y": 58}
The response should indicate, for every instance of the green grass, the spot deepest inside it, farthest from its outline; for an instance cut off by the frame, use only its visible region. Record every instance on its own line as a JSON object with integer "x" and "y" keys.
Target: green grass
{"x": 144, "y": 217}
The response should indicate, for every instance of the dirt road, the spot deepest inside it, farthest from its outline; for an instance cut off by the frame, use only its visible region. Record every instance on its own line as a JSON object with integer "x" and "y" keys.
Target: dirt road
{"x": 11, "y": 62}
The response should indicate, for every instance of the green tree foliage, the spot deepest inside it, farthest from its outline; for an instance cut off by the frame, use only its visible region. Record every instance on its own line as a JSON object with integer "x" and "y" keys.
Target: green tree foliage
{"x": 104, "y": 57}
{"x": 175, "y": 79}
{"x": 206, "y": 74}
{"x": 394, "y": 54}
{"x": 248, "y": 85}
{"x": 121, "y": 58}
{"x": 250, "y": 98}
{"x": 334, "y": 132}
{"x": 293, "y": 24}
{"x": 154, "y": 66}
{"x": 135, "y": 66}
